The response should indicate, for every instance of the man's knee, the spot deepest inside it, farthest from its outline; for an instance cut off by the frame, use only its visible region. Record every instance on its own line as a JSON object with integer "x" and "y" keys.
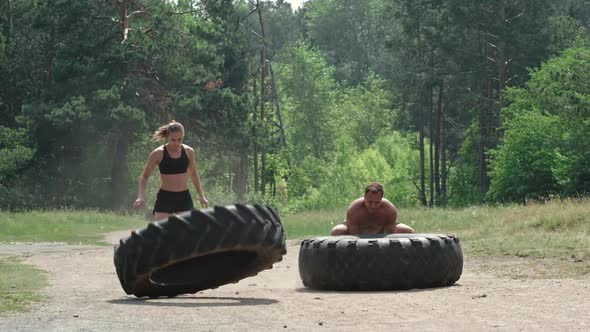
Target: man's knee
{"x": 403, "y": 228}
{"x": 339, "y": 230}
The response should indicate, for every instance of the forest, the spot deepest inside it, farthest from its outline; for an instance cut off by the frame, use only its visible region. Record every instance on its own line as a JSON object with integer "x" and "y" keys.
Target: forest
{"x": 448, "y": 103}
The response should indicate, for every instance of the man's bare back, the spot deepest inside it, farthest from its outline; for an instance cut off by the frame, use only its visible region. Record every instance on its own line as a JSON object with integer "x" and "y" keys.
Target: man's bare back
{"x": 371, "y": 214}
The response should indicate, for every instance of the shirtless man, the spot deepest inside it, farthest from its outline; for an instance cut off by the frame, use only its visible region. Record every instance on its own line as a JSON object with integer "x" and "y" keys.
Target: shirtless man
{"x": 371, "y": 214}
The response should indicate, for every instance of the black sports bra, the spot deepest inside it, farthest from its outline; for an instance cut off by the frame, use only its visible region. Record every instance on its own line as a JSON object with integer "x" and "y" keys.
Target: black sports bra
{"x": 170, "y": 165}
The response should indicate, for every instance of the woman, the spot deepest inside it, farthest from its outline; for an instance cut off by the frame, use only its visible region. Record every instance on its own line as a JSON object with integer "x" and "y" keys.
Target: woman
{"x": 176, "y": 162}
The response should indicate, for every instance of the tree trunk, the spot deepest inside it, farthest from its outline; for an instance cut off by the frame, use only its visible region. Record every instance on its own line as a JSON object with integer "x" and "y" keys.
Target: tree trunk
{"x": 263, "y": 69}
{"x": 278, "y": 106}
{"x": 437, "y": 144}
{"x": 492, "y": 100}
{"x": 501, "y": 58}
{"x": 486, "y": 108}
{"x": 443, "y": 152}
{"x": 431, "y": 132}
{"x": 119, "y": 183}
{"x": 9, "y": 97}
{"x": 421, "y": 143}
{"x": 124, "y": 20}
{"x": 254, "y": 136}
{"x": 485, "y": 129}
{"x": 8, "y": 27}
{"x": 263, "y": 125}
{"x": 119, "y": 168}
{"x": 240, "y": 185}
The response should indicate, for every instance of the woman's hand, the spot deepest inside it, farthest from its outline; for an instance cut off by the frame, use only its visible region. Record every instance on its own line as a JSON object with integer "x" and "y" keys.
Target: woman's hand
{"x": 204, "y": 202}
{"x": 139, "y": 203}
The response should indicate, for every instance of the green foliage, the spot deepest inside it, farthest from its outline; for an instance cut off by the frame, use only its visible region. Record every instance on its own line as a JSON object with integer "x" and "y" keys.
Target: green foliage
{"x": 85, "y": 93}
{"x": 15, "y": 153}
{"x": 350, "y": 50}
{"x": 565, "y": 32}
{"x": 72, "y": 113}
{"x": 545, "y": 150}
{"x": 365, "y": 111}
{"x": 304, "y": 181}
{"x": 402, "y": 156}
{"x": 310, "y": 96}
{"x": 561, "y": 85}
{"x": 521, "y": 167}
{"x": 113, "y": 109}
{"x": 79, "y": 98}
{"x": 19, "y": 285}
{"x": 281, "y": 25}
{"x": 337, "y": 182}
{"x": 463, "y": 178}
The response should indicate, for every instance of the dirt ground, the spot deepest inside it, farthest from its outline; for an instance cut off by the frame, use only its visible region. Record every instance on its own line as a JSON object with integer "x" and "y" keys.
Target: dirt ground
{"x": 493, "y": 294}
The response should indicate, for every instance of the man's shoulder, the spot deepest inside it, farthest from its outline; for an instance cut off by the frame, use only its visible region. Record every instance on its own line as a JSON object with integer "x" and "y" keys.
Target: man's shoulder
{"x": 388, "y": 202}
{"x": 388, "y": 209}
{"x": 359, "y": 202}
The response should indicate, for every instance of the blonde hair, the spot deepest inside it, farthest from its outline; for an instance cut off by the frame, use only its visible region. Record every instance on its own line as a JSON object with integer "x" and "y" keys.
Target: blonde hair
{"x": 166, "y": 129}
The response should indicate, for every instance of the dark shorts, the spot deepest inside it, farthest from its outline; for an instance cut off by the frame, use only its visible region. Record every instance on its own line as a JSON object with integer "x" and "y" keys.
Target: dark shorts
{"x": 173, "y": 201}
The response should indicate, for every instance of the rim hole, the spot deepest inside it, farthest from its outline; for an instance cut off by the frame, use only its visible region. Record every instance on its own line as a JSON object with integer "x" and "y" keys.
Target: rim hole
{"x": 212, "y": 268}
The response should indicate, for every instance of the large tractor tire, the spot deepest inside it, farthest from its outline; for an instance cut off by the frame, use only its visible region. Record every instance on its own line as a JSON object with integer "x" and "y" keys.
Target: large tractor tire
{"x": 198, "y": 250}
{"x": 380, "y": 262}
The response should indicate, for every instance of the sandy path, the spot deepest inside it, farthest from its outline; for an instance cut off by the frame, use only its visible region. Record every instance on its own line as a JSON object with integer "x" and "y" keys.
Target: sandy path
{"x": 85, "y": 295}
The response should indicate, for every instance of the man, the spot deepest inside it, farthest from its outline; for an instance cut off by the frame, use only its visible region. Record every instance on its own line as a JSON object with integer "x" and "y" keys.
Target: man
{"x": 371, "y": 214}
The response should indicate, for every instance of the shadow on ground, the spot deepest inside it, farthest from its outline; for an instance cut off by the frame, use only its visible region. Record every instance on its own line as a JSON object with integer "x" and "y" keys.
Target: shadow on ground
{"x": 195, "y": 301}
{"x": 414, "y": 290}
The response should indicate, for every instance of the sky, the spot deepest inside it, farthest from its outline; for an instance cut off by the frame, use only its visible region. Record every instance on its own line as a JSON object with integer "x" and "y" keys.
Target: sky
{"x": 295, "y": 3}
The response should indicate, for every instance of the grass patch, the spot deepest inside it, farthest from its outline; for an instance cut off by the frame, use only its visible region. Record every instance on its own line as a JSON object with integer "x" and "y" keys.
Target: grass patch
{"x": 19, "y": 285}
{"x": 72, "y": 227}
{"x": 557, "y": 229}
{"x": 312, "y": 223}
{"x": 532, "y": 268}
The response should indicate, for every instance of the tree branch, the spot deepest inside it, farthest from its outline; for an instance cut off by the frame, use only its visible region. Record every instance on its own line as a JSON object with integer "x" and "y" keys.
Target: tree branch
{"x": 136, "y": 12}
{"x": 109, "y": 18}
{"x": 182, "y": 13}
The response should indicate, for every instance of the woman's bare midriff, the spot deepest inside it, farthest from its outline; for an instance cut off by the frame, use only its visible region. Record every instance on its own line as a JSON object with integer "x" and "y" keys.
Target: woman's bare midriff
{"x": 174, "y": 182}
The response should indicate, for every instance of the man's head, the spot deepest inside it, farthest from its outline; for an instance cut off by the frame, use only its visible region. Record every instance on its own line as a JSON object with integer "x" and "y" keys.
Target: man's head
{"x": 373, "y": 196}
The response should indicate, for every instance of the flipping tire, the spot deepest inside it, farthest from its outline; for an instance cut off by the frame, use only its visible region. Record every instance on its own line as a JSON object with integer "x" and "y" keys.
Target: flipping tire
{"x": 380, "y": 262}
{"x": 198, "y": 250}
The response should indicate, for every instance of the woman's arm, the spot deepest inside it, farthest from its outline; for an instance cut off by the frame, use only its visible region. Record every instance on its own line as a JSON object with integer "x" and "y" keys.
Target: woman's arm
{"x": 192, "y": 171}
{"x": 152, "y": 161}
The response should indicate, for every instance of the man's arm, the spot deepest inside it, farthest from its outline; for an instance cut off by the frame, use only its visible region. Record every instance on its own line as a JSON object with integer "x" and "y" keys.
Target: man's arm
{"x": 192, "y": 171}
{"x": 352, "y": 221}
{"x": 391, "y": 218}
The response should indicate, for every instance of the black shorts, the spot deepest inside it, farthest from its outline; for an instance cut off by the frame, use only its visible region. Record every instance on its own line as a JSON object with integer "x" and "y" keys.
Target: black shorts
{"x": 173, "y": 201}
